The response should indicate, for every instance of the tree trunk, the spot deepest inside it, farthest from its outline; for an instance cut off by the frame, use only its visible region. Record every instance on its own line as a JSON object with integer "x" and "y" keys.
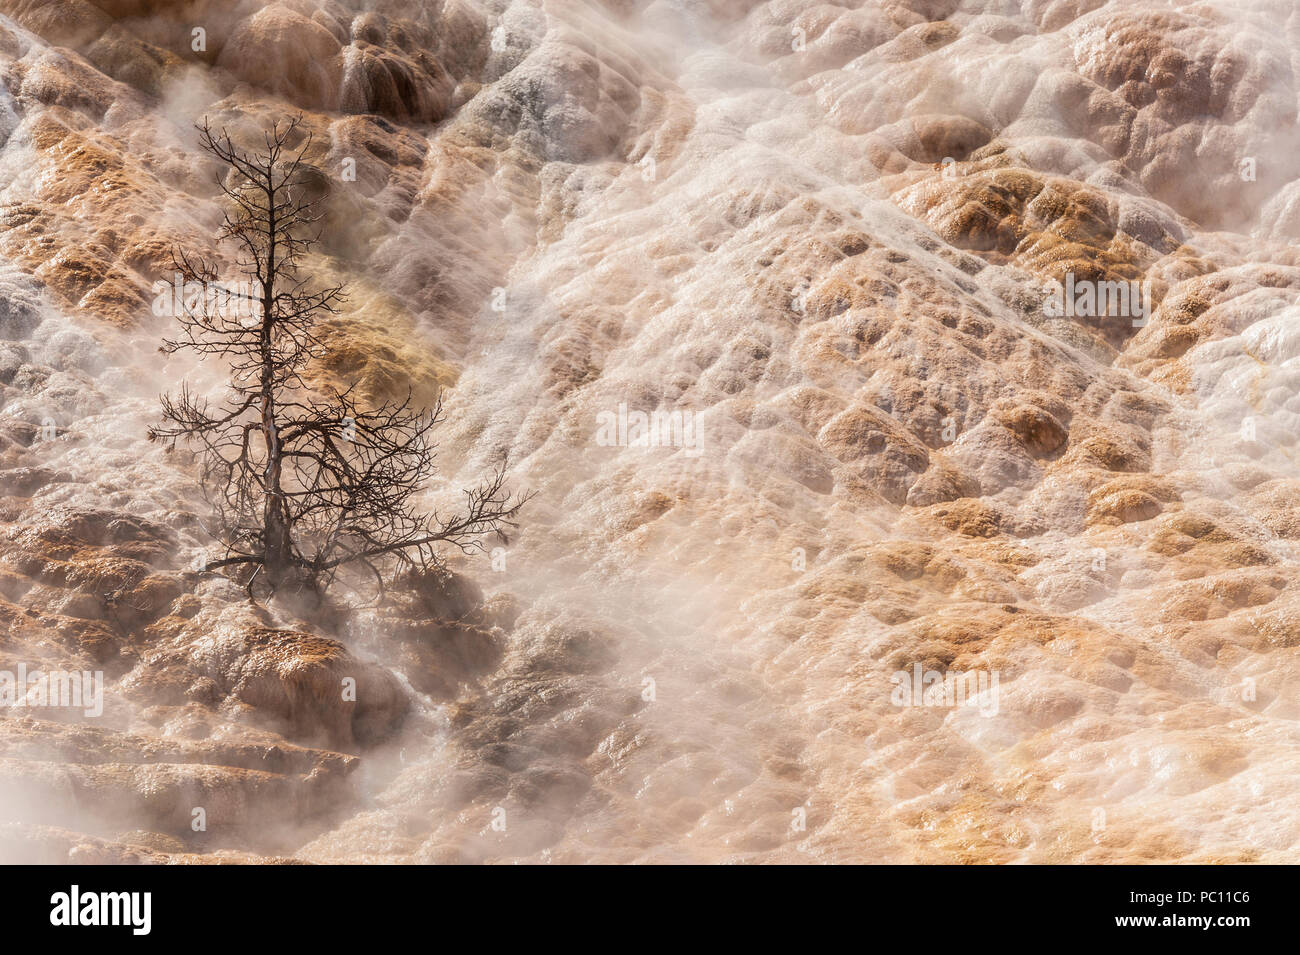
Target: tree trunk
{"x": 277, "y": 555}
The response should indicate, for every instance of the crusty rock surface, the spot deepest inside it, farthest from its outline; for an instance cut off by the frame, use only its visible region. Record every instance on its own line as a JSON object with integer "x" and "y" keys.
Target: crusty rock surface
{"x": 831, "y": 235}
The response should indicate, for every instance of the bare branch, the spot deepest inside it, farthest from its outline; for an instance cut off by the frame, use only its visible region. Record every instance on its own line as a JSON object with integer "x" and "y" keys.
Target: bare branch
{"x": 302, "y": 486}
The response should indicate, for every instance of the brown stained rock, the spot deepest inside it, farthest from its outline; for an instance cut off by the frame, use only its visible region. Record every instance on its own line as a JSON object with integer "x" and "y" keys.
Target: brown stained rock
{"x": 307, "y": 687}
{"x": 100, "y": 777}
{"x": 763, "y": 275}
{"x": 399, "y": 87}
{"x": 158, "y": 795}
{"x": 145, "y": 66}
{"x": 384, "y": 359}
{"x": 284, "y": 52}
{"x": 936, "y": 138}
{"x": 92, "y": 640}
{"x": 917, "y": 561}
{"x": 1276, "y": 504}
{"x": 877, "y": 448}
{"x": 1040, "y": 432}
{"x": 66, "y": 22}
{"x": 1214, "y": 598}
{"x": 1205, "y": 543}
{"x": 21, "y": 482}
{"x": 972, "y": 517}
{"x": 1110, "y": 448}
{"x": 1050, "y": 226}
{"x": 941, "y": 482}
{"x": 27, "y": 738}
{"x": 1183, "y": 86}
{"x": 1122, "y": 507}
{"x": 28, "y": 844}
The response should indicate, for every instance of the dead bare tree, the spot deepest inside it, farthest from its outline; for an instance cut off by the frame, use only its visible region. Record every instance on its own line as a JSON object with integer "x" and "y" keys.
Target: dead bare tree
{"x": 302, "y": 486}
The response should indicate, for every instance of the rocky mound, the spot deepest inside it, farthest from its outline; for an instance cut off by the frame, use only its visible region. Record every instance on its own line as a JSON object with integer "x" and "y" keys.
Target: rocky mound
{"x": 834, "y": 242}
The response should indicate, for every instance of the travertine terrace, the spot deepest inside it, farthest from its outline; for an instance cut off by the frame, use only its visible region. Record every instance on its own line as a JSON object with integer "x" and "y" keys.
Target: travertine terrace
{"x": 827, "y": 233}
